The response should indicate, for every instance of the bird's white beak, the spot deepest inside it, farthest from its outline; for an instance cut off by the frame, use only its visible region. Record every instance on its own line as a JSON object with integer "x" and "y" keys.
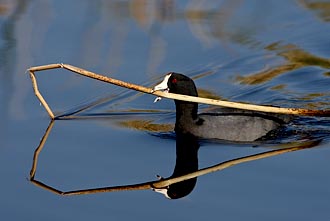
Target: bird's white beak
{"x": 161, "y": 86}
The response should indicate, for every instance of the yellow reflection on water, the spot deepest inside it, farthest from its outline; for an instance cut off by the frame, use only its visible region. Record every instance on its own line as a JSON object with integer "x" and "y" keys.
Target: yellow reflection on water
{"x": 295, "y": 58}
{"x": 146, "y": 125}
{"x": 320, "y": 8}
{"x": 208, "y": 94}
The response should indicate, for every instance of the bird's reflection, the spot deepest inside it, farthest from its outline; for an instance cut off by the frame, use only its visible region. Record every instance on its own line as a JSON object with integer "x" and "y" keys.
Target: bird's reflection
{"x": 184, "y": 178}
{"x": 186, "y": 162}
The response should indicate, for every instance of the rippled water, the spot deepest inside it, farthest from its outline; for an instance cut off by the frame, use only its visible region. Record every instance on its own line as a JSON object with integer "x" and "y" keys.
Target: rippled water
{"x": 262, "y": 52}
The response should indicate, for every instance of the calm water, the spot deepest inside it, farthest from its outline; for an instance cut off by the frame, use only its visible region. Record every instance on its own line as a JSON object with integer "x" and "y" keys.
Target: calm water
{"x": 264, "y": 52}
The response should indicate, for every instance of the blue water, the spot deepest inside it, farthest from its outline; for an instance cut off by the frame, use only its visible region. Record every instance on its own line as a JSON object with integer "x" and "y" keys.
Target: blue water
{"x": 263, "y": 52}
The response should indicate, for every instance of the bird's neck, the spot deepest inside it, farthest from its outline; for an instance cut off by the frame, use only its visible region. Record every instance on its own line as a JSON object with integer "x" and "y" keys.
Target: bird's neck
{"x": 186, "y": 113}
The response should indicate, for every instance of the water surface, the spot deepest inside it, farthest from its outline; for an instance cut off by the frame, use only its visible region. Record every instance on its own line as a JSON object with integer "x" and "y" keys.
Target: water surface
{"x": 263, "y": 52}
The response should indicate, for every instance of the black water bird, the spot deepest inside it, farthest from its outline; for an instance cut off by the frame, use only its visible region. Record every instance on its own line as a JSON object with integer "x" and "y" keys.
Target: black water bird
{"x": 228, "y": 124}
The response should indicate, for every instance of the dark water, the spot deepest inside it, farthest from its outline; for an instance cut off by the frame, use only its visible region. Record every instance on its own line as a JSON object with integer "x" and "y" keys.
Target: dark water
{"x": 264, "y": 52}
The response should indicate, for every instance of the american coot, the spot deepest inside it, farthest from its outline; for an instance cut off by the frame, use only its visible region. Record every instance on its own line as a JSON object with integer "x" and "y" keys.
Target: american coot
{"x": 229, "y": 124}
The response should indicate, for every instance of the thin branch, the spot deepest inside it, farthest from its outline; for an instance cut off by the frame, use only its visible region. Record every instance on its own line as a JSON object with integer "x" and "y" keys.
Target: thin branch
{"x": 238, "y": 105}
{"x": 39, "y": 96}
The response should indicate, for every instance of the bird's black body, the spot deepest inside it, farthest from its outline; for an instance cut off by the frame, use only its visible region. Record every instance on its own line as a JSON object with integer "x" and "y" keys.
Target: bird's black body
{"x": 227, "y": 124}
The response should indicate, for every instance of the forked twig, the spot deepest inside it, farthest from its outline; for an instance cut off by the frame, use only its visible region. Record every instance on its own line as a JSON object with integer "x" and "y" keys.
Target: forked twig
{"x": 238, "y": 105}
{"x": 158, "y": 184}
{"x": 39, "y": 96}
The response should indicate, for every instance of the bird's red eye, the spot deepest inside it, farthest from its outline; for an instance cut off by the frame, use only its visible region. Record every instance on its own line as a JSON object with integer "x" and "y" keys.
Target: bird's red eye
{"x": 174, "y": 80}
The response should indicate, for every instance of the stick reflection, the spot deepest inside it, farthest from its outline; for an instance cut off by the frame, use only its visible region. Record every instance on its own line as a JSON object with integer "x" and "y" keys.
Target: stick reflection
{"x": 184, "y": 177}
